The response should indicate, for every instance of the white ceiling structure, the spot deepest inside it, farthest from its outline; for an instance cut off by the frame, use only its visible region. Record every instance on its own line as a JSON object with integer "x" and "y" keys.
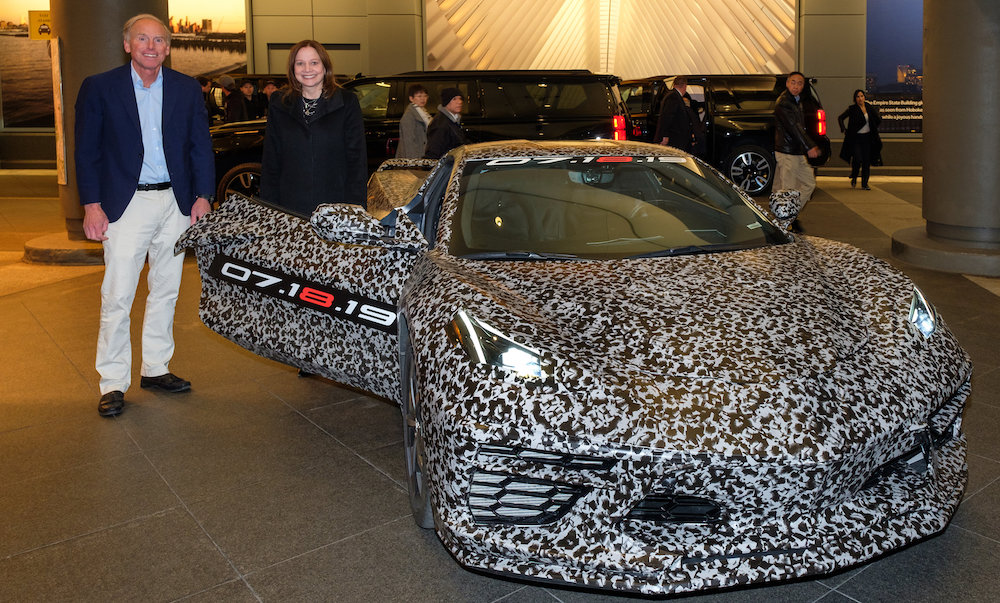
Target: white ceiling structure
{"x": 630, "y": 38}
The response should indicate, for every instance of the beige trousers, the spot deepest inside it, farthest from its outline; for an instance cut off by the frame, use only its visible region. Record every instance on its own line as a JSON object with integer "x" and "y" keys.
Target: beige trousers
{"x": 794, "y": 173}
{"x": 151, "y": 225}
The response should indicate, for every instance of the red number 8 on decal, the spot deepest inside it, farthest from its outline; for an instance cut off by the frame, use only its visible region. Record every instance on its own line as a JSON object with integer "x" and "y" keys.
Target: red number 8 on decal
{"x": 320, "y": 298}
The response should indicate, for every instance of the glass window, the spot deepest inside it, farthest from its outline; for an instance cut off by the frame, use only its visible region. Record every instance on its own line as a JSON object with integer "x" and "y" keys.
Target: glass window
{"x": 601, "y": 207}
{"x": 634, "y": 97}
{"x": 434, "y": 88}
{"x": 532, "y": 98}
{"x": 374, "y": 98}
{"x": 749, "y": 94}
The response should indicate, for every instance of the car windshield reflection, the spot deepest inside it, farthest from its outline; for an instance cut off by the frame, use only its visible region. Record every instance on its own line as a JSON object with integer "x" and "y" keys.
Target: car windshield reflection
{"x": 601, "y": 207}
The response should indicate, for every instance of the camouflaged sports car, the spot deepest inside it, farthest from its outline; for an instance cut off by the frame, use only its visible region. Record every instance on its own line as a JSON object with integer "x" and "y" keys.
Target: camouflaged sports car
{"x": 614, "y": 369}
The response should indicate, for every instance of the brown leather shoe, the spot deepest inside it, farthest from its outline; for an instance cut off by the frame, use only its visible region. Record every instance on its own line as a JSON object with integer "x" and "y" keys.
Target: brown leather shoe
{"x": 168, "y": 382}
{"x": 112, "y": 404}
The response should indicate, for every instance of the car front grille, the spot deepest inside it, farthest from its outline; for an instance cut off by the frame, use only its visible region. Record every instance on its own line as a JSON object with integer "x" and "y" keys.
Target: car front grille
{"x": 676, "y": 508}
{"x": 499, "y": 498}
{"x": 563, "y": 460}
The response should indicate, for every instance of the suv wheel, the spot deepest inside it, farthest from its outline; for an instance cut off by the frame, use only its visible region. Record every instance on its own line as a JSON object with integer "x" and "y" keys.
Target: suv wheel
{"x": 752, "y": 168}
{"x": 243, "y": 179}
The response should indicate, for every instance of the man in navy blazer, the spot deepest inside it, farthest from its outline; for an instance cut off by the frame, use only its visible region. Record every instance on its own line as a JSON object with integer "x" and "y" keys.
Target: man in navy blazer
{"x": 145, "y": 172}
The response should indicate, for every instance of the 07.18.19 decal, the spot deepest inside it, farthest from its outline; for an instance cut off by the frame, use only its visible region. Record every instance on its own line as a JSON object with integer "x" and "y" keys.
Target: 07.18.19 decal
{"x": 335, "y": 302}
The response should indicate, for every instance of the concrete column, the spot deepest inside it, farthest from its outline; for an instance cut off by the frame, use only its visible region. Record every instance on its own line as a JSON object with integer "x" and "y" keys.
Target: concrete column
{"x": 90, "y": 36}
{"x": 961, "y": 194}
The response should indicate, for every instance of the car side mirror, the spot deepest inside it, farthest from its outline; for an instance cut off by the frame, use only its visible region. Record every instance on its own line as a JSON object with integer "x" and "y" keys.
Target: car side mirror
{"x": 353, "y": 225}
{"x": 785, "y": 206}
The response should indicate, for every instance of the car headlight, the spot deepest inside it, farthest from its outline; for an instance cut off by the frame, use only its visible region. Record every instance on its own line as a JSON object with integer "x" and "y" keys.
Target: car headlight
{"x": 487, "y": 345}
{"x": 922, "y": 315}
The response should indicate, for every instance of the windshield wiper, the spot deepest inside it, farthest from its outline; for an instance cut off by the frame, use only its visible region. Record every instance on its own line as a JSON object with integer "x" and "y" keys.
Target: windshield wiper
{"x": 518, "y": 255}
{"x": 689, "y": 250}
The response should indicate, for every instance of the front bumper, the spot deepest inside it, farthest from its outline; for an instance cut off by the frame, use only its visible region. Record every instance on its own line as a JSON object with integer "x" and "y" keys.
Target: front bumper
{"x": 778, "y": 520}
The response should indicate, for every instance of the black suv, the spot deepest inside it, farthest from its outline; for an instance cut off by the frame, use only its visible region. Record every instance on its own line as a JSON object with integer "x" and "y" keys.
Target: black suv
{"x": 499, "y": 105}
{"x": 738, "y": 114}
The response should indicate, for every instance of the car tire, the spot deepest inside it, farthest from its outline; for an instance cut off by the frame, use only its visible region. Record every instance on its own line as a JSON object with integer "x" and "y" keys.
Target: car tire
{"x": 752, "y": 169}
{"x": 243, "y": 178}
{"x": 417, "y": 478}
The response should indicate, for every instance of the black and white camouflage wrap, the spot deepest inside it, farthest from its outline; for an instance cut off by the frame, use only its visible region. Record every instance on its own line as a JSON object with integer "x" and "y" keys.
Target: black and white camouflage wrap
{"x": 779, "y": 382}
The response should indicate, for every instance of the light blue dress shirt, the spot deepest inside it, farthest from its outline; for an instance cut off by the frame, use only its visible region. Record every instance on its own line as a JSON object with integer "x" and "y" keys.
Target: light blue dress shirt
{"x": 150, "y": 104}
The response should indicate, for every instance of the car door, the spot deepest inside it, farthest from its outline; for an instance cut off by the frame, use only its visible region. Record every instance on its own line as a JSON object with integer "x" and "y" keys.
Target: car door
{"x": 317, "y": 293}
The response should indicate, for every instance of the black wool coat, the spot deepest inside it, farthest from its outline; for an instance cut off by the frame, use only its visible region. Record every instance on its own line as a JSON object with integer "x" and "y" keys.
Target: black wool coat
{"x": 308, "y": 163}
{"x": 855, "y": 121}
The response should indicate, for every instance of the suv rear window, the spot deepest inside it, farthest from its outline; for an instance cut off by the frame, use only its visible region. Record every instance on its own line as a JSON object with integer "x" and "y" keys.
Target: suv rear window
{"x": 746, "y": 95}
{"x": 530, "y": 98}
{"x": 752, "y": 94}
{"x": 374, "y": 98}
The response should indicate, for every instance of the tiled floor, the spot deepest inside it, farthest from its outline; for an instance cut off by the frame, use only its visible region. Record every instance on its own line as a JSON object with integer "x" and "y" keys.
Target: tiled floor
{"x": 258, "y": 485}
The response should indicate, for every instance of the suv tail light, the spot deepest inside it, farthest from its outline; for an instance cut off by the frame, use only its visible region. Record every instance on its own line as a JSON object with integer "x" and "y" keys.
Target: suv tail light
{"x": 821, "y": 122}
{"x": 618, "y": 123}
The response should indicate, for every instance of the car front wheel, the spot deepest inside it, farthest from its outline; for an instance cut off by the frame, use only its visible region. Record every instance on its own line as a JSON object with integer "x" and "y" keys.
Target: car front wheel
{"x": 752, "y": 168}
{"x": 413, "y": 441}
{"x": 243, "y": 179}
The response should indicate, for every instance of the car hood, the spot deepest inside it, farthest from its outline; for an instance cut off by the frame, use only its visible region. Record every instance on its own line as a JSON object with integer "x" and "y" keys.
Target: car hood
{"x": 767, "y": 314}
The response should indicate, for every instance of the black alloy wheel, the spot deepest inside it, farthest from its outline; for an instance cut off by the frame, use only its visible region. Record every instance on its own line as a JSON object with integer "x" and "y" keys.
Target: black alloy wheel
{"x": 413, "y": 440}
{"x": 752, "y": 169}
{"x": 243, "y": 179}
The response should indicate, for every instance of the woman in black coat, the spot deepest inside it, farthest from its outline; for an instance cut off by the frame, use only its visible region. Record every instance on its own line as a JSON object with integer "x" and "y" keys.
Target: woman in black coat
{"x": 314, "y": 145}
{"x": 862, "y": 144}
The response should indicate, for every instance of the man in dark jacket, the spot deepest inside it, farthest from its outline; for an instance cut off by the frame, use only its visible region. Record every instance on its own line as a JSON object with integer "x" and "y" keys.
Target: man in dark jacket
{"x": 444, "y": 133}
{"x": 674, "y": 126}
{"x": 791, "y": 143}
{"x": 145, "y": 174}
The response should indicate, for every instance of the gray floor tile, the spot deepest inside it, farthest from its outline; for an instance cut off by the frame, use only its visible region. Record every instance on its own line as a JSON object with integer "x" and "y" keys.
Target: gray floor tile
{"x": 956, "y": 566}
{"x": 45, "y": 448}
{"x": 362, "y": 424}
{"x": 266, "y": 523}
{"x": 394, "y": 562}
{"x": 236, "y": 591}
{"x": 202, "y": 466}
{"x": 88, "y": 498}
{"x": 982, "y": 473}
{"x": 980, "y": 512}
{"x": 300, "y": 482}
{"x": 981, "y": 423}
{"x": 157, "y": 558}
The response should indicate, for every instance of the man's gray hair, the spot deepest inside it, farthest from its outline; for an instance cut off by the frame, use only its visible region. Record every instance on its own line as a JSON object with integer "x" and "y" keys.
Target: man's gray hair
{"x": 127, "y": 29}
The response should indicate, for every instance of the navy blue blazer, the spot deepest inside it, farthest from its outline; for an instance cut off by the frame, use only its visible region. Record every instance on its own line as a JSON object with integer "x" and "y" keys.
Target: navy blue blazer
{"x": 109, "y": 140}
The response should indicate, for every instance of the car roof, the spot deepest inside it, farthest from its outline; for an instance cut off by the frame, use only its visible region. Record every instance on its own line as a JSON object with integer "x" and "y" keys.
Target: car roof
{"x": 533, "y": 148}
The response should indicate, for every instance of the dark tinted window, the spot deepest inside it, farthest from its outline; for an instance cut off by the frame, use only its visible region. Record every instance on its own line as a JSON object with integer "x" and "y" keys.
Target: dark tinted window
{"x": 637, "y": 97}
{"x": 531, "y": 98}
{"x": 749, "y": 94}
{"x": 374, "y": 98}
{"x": 434, "y": 88}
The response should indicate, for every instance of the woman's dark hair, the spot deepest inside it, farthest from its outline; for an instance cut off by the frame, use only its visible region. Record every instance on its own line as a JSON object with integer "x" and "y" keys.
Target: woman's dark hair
{"x": 415, "y": 88}
{"x": 854, "y": 97}
{"x": 294, "y": 86}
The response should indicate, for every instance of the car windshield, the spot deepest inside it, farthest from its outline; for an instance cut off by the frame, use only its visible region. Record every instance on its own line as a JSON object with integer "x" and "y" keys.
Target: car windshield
{"x": 601, "y": 207}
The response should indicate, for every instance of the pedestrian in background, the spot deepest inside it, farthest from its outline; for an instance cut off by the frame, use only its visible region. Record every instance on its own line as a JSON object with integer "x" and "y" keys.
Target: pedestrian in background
{"x": 211, "y": 107}
{"x": 144, "y": 170}
{"x": 413, "y": 124}
{"x": 233, "y": 101}
{"x": 252, "y": 100}
{"x": 862, "y": 145}
{"x": 675, "y": 126}
{"x": 444, "y": 133}
{"x": 792, "y": 144}
{"x": 314, "y": 145}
